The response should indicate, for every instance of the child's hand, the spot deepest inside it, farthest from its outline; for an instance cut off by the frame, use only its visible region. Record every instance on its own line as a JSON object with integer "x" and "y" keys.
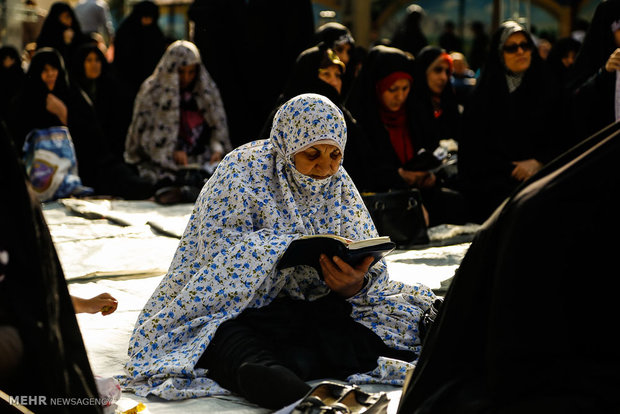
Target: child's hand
{"x": 103, "y": 303}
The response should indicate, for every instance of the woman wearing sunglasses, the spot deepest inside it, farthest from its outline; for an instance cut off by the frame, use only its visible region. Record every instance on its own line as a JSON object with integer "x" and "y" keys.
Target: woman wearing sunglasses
{"x": 511, "y": 122}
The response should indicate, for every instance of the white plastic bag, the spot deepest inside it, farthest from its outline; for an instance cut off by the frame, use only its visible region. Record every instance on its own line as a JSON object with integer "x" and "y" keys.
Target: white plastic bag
{"x": 51, "y": 164}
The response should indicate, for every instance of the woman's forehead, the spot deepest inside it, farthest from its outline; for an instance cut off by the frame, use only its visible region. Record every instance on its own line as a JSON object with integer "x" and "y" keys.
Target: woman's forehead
{"x": 516, "y": 37}
{"x": 323, "y": 147}
{"x": 399, "y": 83}
{"x": 306, "y": 120}
{"x": 439, "y": 60}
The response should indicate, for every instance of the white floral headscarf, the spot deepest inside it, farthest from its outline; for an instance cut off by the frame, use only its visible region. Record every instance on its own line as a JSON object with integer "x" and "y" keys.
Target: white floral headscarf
{"x": 247, "y": 214}
{"x": 153, "y": 133}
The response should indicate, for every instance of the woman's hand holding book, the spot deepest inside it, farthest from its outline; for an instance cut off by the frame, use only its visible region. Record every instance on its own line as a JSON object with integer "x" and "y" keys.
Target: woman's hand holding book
{"x": 342, "y": 278}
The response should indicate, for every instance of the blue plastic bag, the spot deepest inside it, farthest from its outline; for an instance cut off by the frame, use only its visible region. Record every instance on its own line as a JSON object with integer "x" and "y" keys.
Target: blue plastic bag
{"x": 51, "y": 164}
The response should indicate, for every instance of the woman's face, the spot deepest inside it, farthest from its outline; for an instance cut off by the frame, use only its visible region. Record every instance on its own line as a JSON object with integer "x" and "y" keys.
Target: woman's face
{"x": 49, "y": 76}
{"x": 569, "y": 59}
{"x": 92, "y": 66}
{"x": 146, "y": 20}
{"x": 438, "y": 75}
{"x": 517, "y": 53}
{"x": 343, "y": 51}
{"x": 318, "y": 161}
{"x": 187, "y": 74}
{"x": 395, "y": 96}
{"x": 7, "y": 62}
{"x": 65, "y": 18}
{"x": 332, "y": 76}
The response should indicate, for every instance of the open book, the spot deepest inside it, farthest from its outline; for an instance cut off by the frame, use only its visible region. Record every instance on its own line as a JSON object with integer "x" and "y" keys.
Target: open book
{"x": 307, "y": 249}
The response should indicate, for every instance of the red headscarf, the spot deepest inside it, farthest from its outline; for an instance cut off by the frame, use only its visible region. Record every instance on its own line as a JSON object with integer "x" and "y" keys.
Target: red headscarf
{"x": 396, "y": 121}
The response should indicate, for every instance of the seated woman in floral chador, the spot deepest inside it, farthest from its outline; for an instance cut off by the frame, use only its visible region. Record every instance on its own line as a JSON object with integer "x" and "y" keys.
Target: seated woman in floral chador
{"x": 225, "y": 318}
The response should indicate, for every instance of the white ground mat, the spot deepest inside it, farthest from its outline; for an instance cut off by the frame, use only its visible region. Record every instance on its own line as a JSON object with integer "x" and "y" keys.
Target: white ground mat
{"x": 124, "y": 248}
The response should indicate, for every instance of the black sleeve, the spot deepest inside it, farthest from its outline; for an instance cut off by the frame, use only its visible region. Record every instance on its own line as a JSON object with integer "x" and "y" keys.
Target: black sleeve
{"x": 368, "y": 166}
{"x": 91, "y": 148}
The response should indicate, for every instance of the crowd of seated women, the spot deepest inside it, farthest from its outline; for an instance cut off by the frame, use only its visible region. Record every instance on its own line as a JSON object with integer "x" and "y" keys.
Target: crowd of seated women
{"x": 151, "y": 121}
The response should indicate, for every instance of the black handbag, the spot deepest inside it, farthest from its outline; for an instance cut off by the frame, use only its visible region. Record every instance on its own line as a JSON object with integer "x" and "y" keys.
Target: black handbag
{"x": 398, "y": 214}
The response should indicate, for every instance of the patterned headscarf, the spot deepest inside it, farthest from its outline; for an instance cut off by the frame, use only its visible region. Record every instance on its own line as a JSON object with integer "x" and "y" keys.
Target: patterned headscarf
{"x": 299, "y": 124}
{"x": 153, "y": 133}
{"x": 244, "y": 219}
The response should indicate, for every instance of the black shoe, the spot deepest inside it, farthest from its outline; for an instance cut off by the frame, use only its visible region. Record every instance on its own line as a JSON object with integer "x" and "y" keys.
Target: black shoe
{"x": 323, "y": 398}
{"x": 176, "y": 195}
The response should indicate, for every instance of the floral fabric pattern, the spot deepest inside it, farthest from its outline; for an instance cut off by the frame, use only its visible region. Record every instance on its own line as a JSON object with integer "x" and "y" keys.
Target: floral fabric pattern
{"x": 388, "y": 371}
{"x": 153, "y": 134}
{"x": 247, "y": 214}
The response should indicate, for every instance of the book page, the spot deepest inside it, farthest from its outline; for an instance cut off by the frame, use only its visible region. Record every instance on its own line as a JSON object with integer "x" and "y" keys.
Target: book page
{"x": 329, "y": 236}
{"x": 360, "y": 244}
{"x": 351, "y": 244}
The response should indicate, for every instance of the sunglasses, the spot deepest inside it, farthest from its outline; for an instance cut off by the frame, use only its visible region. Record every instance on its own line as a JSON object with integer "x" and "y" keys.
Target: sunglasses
{"x": 525, "y": 46}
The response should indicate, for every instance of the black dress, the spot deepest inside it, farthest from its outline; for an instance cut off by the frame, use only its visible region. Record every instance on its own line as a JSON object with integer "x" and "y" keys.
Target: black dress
{"x": 479, "y": 50}
{"x": 52, "y": 32}
{"x": 527, "y": 323}
{"x": 288, "y": 342}
{"x": 443, "y": 205}
{"x": 11, "y": 78}
{"x": 500, "y": 127}
{"x": 138, "y": 48}
{"x": 363, "y": 104}
{"x": 35, "y": 301}
{"x": 559, "y": 51}
{"x": 592, "y": 87}
{"x": 112, "y": 103}
{"x": 434, "y": 126}
{"x": 249, "y": 47}
{"x": 409, "y": 35}
{"x": 97, "y": 167}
